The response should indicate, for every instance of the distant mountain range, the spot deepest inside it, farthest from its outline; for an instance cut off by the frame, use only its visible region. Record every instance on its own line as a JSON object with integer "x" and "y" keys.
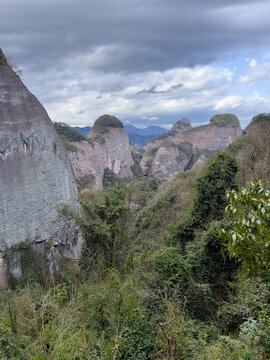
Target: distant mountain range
{"x": 138, "y": 137}
{"x": 83, "y": 130}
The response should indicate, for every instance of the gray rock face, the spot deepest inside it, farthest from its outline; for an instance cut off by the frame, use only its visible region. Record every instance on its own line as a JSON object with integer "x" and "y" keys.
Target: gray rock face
{"x": 166, "y": 162}
{"x": 35, "y": 172}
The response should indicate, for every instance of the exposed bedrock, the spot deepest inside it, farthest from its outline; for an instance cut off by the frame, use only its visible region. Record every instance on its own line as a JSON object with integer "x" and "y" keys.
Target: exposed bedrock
{"x": 36, "y": 175}
{"x": 107, "y": 147}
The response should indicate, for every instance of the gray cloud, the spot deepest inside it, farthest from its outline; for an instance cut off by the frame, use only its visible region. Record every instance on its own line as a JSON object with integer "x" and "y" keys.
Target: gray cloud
{"x": 135, "y": 35}
{"x": 135, "y": 59}
{"x": 153, "y": 90}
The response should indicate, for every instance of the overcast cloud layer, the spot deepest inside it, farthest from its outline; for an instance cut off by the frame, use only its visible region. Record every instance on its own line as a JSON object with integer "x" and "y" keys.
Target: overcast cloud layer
{"x": 147, "y": 62}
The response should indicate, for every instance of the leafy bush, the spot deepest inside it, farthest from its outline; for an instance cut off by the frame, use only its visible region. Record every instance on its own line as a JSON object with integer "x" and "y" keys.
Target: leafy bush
{"x": 110, "y": 179}
{"x": 250, "y": 238}
{"x": 67, "y": 132}
{"x": 210, "y": 199}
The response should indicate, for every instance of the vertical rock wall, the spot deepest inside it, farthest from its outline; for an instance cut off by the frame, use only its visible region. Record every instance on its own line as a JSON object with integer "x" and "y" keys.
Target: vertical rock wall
{"x": 35, "y": 172}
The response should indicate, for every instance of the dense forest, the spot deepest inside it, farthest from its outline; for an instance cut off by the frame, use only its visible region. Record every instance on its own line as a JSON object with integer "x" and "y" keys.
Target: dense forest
{"x": 169, "y": 270}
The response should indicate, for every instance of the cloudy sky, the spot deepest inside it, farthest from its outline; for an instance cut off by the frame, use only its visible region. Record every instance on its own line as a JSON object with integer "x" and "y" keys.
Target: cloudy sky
{"x": 145, "y": 61}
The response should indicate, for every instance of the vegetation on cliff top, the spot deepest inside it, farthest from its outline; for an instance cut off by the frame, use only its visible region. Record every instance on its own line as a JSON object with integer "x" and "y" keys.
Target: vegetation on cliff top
{"x": 68, "y": 135}
{"x": 225, "y": 119}
{"x": 104, "y": 122}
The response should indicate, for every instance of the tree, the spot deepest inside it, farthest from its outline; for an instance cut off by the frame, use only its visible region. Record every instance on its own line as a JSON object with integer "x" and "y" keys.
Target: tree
{"x": 249, "y": 241}
{"x": 210, "y": 200}
{"x": 104, "y": 229}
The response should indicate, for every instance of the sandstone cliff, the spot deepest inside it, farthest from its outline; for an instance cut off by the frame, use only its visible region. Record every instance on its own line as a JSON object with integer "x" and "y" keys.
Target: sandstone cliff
{"x": 222, "y": 130}
{"x": 107, "y": 146}
{"x": 180, "y": 147}
{"x": 165, "y": 162}
{"x": 35, "y": 172}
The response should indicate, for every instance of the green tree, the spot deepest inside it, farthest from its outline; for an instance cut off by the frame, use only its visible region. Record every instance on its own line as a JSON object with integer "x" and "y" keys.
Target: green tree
{"x": 210, "y": 200}
{"x": 249, "y": 241}
{"x": 104, "y": 228}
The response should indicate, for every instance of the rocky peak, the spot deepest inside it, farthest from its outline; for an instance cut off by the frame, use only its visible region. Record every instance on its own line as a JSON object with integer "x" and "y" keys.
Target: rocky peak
{"x": 258, "y": 122}
{"x": 104, "y": 123}
{"x": 182, "y": 125}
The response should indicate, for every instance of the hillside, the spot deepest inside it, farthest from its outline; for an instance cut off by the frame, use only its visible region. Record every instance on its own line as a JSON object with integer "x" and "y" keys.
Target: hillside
{"x": 154, "y": 269}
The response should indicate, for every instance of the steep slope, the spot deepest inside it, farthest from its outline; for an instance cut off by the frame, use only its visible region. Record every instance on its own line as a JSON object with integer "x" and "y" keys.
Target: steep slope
{"x": 165, "y": 162}
{"x": 107, "y": 147}
{"x": 252, "y": 151}
{"x": 35, "y": 172}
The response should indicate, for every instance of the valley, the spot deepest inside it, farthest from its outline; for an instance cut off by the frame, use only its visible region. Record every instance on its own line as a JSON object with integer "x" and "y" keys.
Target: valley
{"x": 114, "y": 249}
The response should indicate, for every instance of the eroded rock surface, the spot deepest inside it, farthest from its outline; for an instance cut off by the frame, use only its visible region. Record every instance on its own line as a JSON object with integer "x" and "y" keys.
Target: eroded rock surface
{"x": 166, "y": 161}
{"x": 107, "y": 147}
{"x": 169, "y": 153}
{"x": 216, "y": 135}
{"x": 36, "y": 175}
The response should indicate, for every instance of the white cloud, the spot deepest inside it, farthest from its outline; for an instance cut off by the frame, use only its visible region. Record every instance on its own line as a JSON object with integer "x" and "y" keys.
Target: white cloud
{"x": 253, "y": 63}
{"x": 246, "y": 108}
{"x": 256, "y": 72}
{"x": 79, "y": 94}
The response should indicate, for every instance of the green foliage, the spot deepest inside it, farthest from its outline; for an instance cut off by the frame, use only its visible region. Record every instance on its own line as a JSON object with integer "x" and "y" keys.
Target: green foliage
{"x": 104, "y": 122}
{"x": 67, "y": 132}
{"x": 167, "y": 206}
{"x": 249, "y": 241}
{"x": 185, "y": 147}
{"x": 210, "y": 199}
{"x": 209, "y": 256}
{"x": 261, "y": 118}
{"x": 104, "y": 228}
{"x": 164, "y": 135}
{"x": 120, "y": 320}
{"x": 110, "y": 179}
{"x": 171, "y": 268}
{"x": 225, "y": 119}
{"x": 151, "y": 152}
{"x": 68, "y": 135}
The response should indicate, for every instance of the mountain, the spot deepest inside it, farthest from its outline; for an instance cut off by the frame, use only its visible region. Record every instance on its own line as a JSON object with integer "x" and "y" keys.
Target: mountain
{"x": 107, "y": 147}
{"x": 36, "y": 177}
{"x": 221, "y": 131}
{"x": 148, "y": 131}
{"x": 138, "y": 137}
{"x": 180, "y": 148}
{"x": 83, "y": 130}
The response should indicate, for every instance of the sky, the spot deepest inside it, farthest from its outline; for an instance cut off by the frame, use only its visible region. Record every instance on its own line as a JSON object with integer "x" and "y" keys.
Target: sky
{"x": 148, "y": 62}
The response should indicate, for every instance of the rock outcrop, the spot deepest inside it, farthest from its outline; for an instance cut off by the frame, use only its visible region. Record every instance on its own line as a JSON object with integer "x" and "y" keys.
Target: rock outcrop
{"x": 178, "y": 148}
{"x": 222, "y": 130}
{"x": 107, "y": 147}
{"x": 165, "y": 162}
{"x": 35, "y": 172}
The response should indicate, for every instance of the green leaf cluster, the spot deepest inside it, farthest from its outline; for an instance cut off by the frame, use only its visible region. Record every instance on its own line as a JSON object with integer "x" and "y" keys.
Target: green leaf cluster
{"x": 249, "y": 240}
